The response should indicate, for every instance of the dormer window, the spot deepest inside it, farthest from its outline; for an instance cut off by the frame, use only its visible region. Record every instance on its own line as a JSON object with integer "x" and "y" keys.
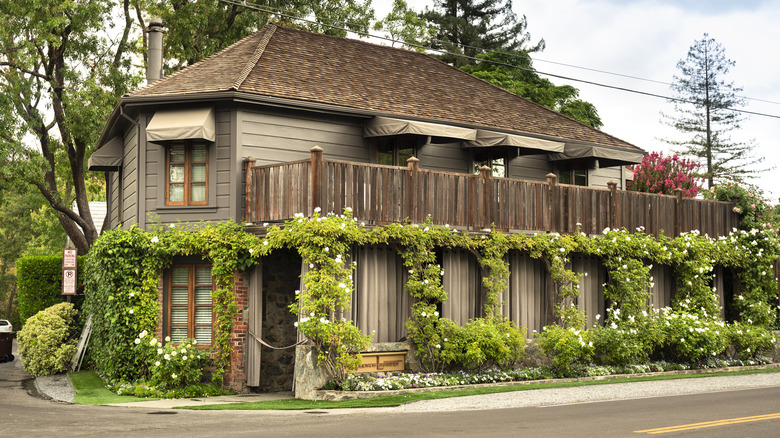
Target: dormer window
{"x": 187, "y": 174}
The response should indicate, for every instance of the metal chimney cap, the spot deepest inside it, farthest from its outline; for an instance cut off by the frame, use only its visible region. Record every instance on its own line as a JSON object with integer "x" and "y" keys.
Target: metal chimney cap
{"x": 155, "y": 24}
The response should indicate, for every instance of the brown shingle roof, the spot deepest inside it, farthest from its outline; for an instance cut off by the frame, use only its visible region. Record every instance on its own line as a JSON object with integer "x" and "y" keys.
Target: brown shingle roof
{"x": 305, "y": 66}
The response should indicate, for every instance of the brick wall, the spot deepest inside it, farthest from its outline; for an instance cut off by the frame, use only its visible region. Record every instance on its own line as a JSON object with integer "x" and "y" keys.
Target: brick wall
{"x": 235, "y": 375}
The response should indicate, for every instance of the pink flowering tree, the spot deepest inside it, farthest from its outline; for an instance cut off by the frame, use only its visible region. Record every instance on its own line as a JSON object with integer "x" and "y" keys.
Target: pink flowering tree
{"x": 661, "y": 174}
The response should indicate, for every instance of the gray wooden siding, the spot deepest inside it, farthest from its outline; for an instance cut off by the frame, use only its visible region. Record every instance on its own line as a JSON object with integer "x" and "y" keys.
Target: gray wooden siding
{"x": 601, "y": 176}
{"x": 447, "y": 157}
{"x": 130, "y": 175}
{"x": 275, "y": 137}
{"x": 530, "y": 167}
{"x": 113, "y": 197}
{"x": 220, "y": 193}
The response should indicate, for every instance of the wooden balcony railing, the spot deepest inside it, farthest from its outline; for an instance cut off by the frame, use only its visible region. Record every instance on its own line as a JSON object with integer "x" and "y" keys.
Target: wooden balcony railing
{"x": 384, "y": 194}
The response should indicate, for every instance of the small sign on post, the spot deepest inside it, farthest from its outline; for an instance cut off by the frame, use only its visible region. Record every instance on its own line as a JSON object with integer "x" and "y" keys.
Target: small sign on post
{"x": 69, "y": 271}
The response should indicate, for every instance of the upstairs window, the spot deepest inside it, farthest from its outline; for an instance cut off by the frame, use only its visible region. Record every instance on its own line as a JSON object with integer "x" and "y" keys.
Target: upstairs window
{"x": 577, "y": 176}
{"x": 187, "y": 174}
{"x": 394, "y": 151}
{"x": 495, "y": 160}
{"x": 190, "y": 310}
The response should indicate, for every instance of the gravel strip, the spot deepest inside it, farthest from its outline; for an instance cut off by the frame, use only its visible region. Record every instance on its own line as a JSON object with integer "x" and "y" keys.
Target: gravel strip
{"x": 58, "y": 387}
{"x": 580, "y": 394}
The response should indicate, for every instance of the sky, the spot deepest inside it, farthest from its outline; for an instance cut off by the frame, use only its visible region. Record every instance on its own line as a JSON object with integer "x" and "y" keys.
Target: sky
{"x": 646, "y": 39}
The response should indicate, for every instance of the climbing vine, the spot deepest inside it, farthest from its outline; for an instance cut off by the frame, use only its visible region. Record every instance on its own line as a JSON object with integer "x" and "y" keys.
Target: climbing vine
{"x": 123, "y": 272}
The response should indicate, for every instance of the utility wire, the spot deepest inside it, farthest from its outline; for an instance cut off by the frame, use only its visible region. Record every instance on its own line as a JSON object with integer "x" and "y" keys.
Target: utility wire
{"x": 280, "y": 13}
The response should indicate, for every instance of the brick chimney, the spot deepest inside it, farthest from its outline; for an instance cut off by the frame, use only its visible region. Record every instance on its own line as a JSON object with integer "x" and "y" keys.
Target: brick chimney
{"x": 154, "y": 64}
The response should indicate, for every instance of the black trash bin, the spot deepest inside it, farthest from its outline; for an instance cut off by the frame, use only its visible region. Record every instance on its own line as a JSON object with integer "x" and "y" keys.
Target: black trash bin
{"x": 6, "y": 347}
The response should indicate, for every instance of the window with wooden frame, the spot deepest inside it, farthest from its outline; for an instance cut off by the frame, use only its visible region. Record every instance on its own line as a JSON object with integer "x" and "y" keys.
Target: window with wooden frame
{"x": 574, "y": 173}
{"x": 190, "y": 311}
{"x": 496, "y": 160}
{"x": 187, "y": 172}
{"x": 394, "y": 151}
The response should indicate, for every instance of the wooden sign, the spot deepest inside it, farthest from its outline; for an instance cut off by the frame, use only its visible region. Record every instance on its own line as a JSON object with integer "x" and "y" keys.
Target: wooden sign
{"x": 382, "y": 361}
{"x": 69, "y": 271}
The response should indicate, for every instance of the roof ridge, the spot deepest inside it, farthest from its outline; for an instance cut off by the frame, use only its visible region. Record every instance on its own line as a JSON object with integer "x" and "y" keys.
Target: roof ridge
{"x": 268, "y": 30}
{"x": 166, "y": 79}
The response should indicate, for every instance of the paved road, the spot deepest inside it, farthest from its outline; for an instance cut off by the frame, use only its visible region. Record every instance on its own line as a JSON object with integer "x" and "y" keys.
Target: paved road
{"x": 753, "y": 412}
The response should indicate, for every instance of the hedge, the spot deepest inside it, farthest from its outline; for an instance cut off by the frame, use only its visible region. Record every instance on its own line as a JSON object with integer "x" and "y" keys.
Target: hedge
{"x": 39, "y": 284}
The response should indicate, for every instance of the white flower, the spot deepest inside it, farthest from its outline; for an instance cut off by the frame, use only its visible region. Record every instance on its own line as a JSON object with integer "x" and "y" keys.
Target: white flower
{"x": 326, "y": 249}
{"x": 167, "y": 339}
{"x": 153, "y": 342}
{"x": 295, "y": 324}
{"x": 265, "y": 224}
{"x": 265, "y": 242}
{"x": 173, "y": 225}
{"x": 439, "y": 346}
{"x": 159, "y": 351}
{"x": 436, "y": 313}
{"x": 137, "y": 341}
{"x": 155, "y": 239}
{"x": 173, "y": 353}
{"x": 423, "y": 314}
{"x": 131, "y": 311}
{"x": 157, "y": 363}
{"x": 317, "y": 209}
{"x": 598, "y": 317}
{"x": 132, "y": 294}
{"x": 324, "y": 321}
{"x": 174, "y": 375}
{"x": 167, "y": 356}
{"x": 183, "y": 351}
{"x": 251, "y": 250}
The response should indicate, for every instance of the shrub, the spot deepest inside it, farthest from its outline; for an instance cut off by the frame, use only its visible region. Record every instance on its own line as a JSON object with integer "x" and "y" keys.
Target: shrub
{"x": 568, "y": 348}
{"x": 39, "y": 282}
{"x": 750, "y": 341}
{"x": 660, "y": 174}
{"x": 48, "y": 340}
{"x": 624, "y": 344}
{"x": 690, "y": 338}
{"x": 483, "y": 343}
{"x": 170, "y": 365}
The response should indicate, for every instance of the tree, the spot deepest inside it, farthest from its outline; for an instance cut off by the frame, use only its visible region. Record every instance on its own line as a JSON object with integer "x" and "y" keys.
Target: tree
{"x": 706, "y": 111}
{"x": 65, "y": 65}
{"x": 199, "y": 28}
{"x": 62, "y": 74}
{"x": 404, "y": 24}
{"x": 469, "y": 27}
{"x": 514, "y": 73}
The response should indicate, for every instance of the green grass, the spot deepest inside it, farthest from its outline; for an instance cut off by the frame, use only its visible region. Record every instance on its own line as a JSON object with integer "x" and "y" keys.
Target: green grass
{"x": 397, "y": 400}
{"x": 91, "y": 390}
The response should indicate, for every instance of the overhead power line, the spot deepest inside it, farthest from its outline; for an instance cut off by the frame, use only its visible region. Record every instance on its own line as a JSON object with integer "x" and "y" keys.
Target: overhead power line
{"x": 281, "y": 13}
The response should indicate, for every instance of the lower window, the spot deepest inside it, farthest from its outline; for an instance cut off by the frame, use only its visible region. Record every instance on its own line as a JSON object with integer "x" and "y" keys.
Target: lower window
{"x": 190, "y": 310}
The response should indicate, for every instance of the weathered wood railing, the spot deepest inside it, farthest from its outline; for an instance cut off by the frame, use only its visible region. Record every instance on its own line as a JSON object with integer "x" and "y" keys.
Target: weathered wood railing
{"x": 384, "y": 194}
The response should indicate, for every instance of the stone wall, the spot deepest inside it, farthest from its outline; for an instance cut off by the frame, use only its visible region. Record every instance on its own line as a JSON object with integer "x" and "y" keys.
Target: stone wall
{"x": 281, "y": 277}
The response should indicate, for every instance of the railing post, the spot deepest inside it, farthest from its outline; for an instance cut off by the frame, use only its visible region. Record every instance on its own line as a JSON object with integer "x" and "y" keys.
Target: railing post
{"x": 316, "y": 178}
{"x": 614, "y": 218}
{"x": 678, "y": 195}
{"x": 485, "y": 173}
{"x": 411, "y": 200}
{"x": 552, "y": 185}
{"x": 250, "y": 190}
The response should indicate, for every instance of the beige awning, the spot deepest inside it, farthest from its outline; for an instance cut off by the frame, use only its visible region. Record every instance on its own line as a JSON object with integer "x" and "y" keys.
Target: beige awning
{"x": 607, "y": 156}
{"x": 487, "y": 138}
{"x": 108, "y": 157}
{"x": 182, "y": 124}
{"x": 382, "y": 126}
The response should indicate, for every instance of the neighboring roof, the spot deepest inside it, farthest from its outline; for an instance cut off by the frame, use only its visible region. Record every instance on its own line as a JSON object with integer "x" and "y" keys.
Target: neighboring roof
{"x": 293, "y": 64}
